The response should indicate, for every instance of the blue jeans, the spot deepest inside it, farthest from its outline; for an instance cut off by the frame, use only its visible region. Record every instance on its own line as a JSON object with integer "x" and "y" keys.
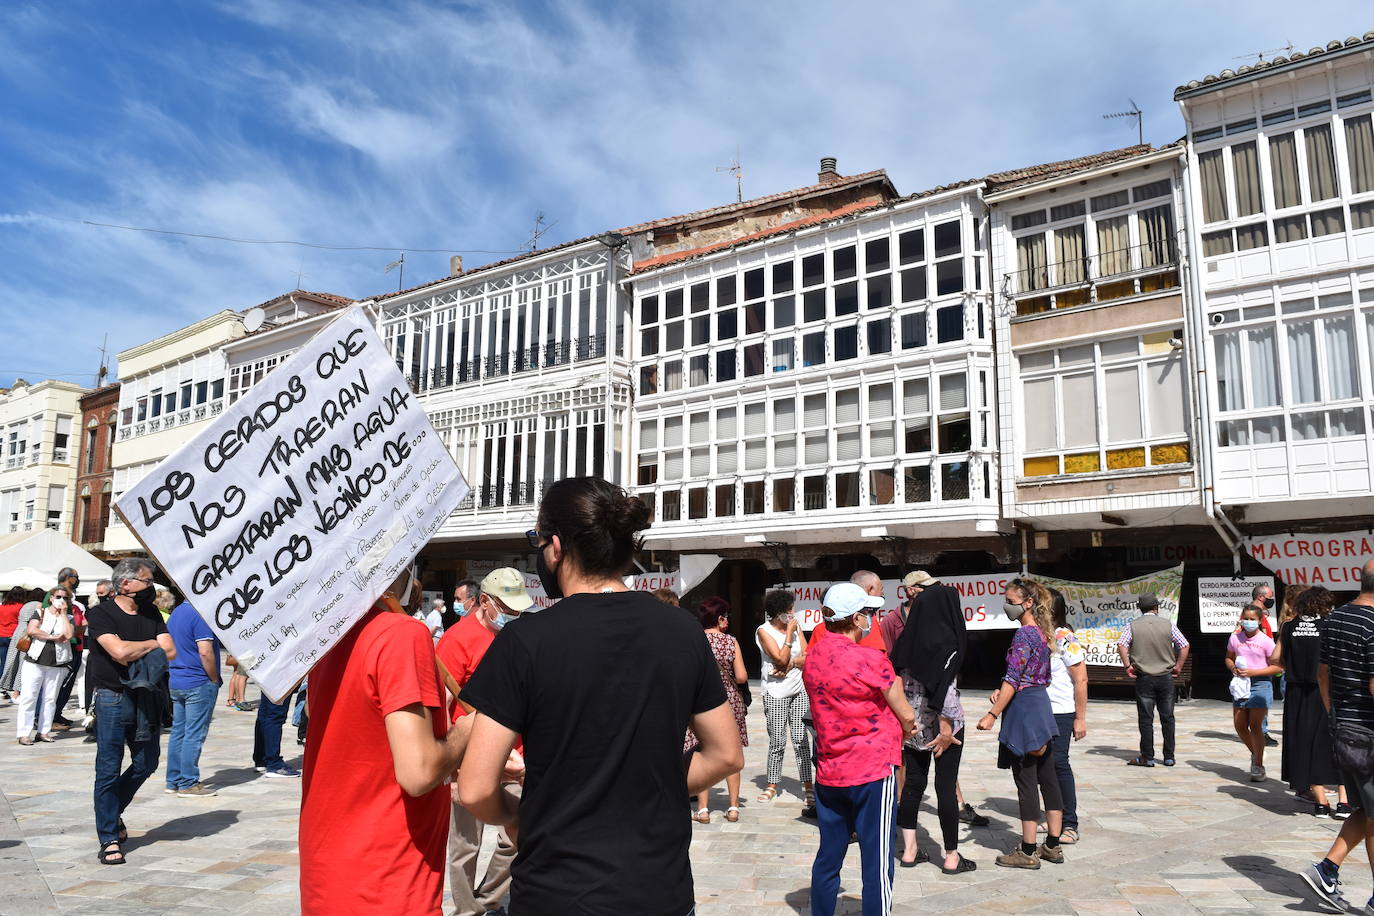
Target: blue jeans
{"x": 1063, "y": 770}
{"x": 866, "y": 810}
{"x": 192, "y": 708}
{"x": 267, "y": 732}
{"x": 114, "y": 730}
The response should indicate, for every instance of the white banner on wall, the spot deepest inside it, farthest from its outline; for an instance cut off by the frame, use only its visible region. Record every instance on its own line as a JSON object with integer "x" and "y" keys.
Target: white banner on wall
{"x": 1330, "y": 560}
{"x": 285, "y": 519}
{"x": 1220, "y": 599}
{"x": 1098, "y": 611}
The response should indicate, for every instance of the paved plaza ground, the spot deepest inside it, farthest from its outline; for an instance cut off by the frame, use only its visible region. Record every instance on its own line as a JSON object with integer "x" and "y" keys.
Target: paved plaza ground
{"x": 1194, "y": 838}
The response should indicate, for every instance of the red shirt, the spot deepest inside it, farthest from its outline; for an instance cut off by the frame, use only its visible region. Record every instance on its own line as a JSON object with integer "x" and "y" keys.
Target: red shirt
{"x": 874, "y": 639}
{"x": 858, "y": 739}
{"x": 9, "y": 619}
{"x": 366, "y": 847}
{"x": 460, "y": 649}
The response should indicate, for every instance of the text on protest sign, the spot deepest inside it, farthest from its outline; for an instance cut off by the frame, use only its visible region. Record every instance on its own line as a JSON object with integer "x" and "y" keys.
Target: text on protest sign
{"x": 1330, "y": 560}
{"x": 1221, "y": 598}
{"x": 979, "y": 596}
{"x": 285, "y": 520}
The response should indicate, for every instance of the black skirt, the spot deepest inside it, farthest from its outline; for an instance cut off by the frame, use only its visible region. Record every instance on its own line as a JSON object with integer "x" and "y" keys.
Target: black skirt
{"x": 1307, "y": 759}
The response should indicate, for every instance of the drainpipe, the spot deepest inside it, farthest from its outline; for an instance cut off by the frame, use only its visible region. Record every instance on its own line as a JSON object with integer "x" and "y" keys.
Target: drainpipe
{"x": 1196, "y": 352}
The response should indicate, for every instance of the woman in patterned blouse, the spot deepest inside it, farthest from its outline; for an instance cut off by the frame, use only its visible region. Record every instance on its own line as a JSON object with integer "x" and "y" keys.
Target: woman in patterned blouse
{"x": 1029, "y": 726}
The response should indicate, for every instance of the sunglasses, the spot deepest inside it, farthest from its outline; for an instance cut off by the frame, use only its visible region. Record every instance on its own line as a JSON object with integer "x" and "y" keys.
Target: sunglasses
{"x": 538, "y": 539}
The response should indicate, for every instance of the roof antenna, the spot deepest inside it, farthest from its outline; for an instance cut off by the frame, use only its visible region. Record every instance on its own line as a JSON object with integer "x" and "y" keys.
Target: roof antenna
{"x": 734, "y": 169}
{"x": 1259, "y": 55}
{"x": 104, "y": 369}
{"x": 540, "y": 227}
{"x": 1136, "y": 113}
{"x": 401, "y": 278}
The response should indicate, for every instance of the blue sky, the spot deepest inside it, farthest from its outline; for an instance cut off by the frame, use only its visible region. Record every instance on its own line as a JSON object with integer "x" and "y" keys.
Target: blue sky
{"x": 451, "y": 125}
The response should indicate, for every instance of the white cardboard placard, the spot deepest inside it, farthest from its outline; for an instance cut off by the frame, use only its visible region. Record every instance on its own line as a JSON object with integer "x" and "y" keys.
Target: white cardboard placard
{"x": 286, "y": 518}
{"x": 1220, "y": 599}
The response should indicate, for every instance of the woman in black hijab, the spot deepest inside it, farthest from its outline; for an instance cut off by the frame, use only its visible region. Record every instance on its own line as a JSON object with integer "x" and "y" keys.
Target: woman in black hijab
{"x": 928, "y": 656}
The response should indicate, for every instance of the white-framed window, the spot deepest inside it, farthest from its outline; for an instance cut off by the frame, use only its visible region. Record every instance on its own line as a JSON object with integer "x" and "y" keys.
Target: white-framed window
{"x": 1110, "y": 405}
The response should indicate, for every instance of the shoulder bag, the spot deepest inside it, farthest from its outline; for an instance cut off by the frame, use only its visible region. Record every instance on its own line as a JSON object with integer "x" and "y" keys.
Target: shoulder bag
{"x": 1352, "y": 746}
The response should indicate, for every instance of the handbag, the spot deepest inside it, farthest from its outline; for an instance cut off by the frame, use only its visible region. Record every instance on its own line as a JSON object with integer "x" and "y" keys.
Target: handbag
{"x": 23, "y": 643}
{"x": 745, "y": 693}
{"x": 1352, "y": 746}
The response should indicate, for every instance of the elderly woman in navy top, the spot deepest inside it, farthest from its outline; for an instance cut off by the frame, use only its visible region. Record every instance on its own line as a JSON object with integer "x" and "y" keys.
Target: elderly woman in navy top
{"x": 1029, "y": 726}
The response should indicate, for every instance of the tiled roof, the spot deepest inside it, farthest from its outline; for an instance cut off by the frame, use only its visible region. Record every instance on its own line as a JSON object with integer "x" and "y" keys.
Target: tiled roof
{"x": 1211, "y": 80}
{"x": 813, "y": 220}
{"x": 710, "y": 212}
{"x": 1015, "y": 178}
{"x": 322, "y": 298}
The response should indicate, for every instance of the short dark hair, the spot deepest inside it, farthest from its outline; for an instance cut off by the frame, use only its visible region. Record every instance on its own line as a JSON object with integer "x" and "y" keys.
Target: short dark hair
{"x": 1059, "y": 609}
{"x": 67, "y": 573}
{"x": 711, "y": 610}
{"x": 474, "y": 590}
{"x": 597, "y": 522}
{"x": 1367, "y": 579}
{"x": 1255, "y": 592}
{"x": 777, "y": 602}
{"x": 17, "y": 595}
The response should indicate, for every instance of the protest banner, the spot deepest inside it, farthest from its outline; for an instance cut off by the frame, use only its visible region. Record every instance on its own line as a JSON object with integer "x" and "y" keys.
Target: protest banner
{"x": 977, "y": 595}
{"x": 285, "y": 520}
{"x": 1220, "y": 599}
{"x": 640, "y": 582}
{"x": 1099, "y": 611}
{"x": 1330, "y": 560}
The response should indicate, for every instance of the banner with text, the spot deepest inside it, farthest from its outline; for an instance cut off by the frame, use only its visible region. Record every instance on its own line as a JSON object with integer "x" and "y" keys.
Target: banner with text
{"x": 1220, "y": 598}
{"x": 640, "y": 582}
{"x": 1099, "y": 611}
{"x": 285, "y": 519}
{"x": 1331, "y": 560}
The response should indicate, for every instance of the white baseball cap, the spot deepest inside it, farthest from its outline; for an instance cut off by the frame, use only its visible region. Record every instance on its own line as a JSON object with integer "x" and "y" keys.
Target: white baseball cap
{"x": 845, "y": 599}
{"x": 508, "y": 585}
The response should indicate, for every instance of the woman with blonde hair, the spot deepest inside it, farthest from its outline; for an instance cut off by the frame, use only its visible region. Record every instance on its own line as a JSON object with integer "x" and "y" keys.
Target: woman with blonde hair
{"x": 44, "y": 664}
{"x": 1029, "y": 726}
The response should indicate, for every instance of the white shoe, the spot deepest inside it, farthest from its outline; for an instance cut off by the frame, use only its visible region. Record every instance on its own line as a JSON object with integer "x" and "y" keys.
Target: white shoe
{"x": 1256, "y": 773}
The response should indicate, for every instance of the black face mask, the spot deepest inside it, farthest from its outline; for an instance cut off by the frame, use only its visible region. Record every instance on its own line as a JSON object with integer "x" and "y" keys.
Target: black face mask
{"x": 1268, "y": 603}
{"x": 146, "y": 599}
{"x": 547, "y": 576}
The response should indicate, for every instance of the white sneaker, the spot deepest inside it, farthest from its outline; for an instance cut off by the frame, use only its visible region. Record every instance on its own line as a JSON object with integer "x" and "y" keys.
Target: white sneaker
{"x": 1256, "y": 773}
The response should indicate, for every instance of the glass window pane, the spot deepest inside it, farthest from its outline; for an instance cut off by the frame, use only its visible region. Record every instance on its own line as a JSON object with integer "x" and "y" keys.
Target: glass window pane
{"x": 954, "y": 391}
{"x": 949, "y": 323}
{"x": 913, "y": 330}
{"x": 1245, "y": 170}
{"x": 785, "y": 415}
{"x": 782, "y": 277}
{"x": 846, "y": 299}
{"x": 880, "y": 336}
{"x": 877, "y": 254}
{"x": 879, "y": 290}
{"x": 1079, "y": 403}
{"x": 842, "y": 262}
{"x": 648, "y": 310}
{"x": 1168, "y": 403}
{"x": 726, "y": 288}
{"x": 813, "y": 305}
{"x": 1341, "y": 361}
{"x": 1038, "y": 414}
{"x": 725, "y": 366}
{"x": 949, "y": 277}
{"x": 1230, "y": 381}
{"x": 753, "y": 284}
{"x": 916, "y": 396}
{"x": 1123, "y": 404}
{"x": 913, "y": 284}
{"x": 813, "y": 270}
{"x": 947, "y": 239}
{"x": 753, "y": 360}
{"x": 782, "y": 354}
{"x": 813, "y": 349}
{"x": 911, "y": 246}
{"x": 1321, "y": 163}
{"x": 784, "y": 312}
{"x": 1303, "y": 382}
{"x": 672, "y": 304}
{"x": 847, "y": 342}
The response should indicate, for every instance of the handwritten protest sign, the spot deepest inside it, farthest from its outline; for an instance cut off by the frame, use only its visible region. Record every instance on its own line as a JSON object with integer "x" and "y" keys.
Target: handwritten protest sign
{"x": 1220, "y": 598}
{"x": 285, "y": 519}
{"x": 1099, "y": 611}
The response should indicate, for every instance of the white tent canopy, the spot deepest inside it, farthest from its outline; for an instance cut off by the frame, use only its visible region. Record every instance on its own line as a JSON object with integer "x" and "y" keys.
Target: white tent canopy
{"x": 38, "y": 555}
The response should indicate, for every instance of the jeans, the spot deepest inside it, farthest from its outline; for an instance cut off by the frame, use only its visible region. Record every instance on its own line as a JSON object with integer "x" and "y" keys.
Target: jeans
{"x": 192, "y": 708}
{"x": 1151, "y": 691}
{"x": 4, "y": 653}
{"x": 113, "y": 732}
{"x": 1064, "y": 770}
{"x": 267, "y": 732}
{"x": 867, "y": 811}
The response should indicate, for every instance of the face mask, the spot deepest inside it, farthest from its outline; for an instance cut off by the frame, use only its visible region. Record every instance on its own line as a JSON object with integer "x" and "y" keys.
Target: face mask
{"x": 1249, "y": 626}
{"x": 59, "y": 602}
{"x": 1268, "y": 603}
{"x": 547, "y": 576}
{"x": 145, "y": 600}
{"x": 501, "y": 620}
{"x": 1013, "y": 611}
{"x": 863, "y": 630}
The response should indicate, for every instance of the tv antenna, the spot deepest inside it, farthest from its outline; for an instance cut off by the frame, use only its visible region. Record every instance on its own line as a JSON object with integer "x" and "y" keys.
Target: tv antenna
{"x": 734, "y": 169}
{"x": 104, "y": 370}
{"x": 1259, "y": 55}
{"x": 401, "y": 263}
{"x": 540, "y": 227}
{"x": 1136, "y": 113}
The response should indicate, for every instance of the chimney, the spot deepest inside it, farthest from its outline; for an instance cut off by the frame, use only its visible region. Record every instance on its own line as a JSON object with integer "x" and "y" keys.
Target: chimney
{"x": 828, "y": 172}
{"x": 455, "y": 265}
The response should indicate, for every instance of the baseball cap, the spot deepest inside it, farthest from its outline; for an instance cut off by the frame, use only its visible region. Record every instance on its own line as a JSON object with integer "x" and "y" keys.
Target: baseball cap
{"x": 919, "y": 579}
{"x": 1147, "y": 601}
{"x": 508, "y": 586}
{"x": 845, "y": 599}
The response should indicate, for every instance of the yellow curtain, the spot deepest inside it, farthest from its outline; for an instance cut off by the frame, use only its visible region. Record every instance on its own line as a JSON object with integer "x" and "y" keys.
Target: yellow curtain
{"x": 1283, "y": 170}
{"x": 1113, "y": 247}
{"x": 1030, "y": 259}
{"x": 1156, "y": 227}
{"x": 1213, "y": 174}
{"x": 1068, "y": 255}
{"x": 1245, "y": 168}
{"x": 1321, "y": 163}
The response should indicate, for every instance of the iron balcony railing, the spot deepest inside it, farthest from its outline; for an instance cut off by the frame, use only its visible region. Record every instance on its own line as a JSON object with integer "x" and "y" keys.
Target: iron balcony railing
{"x": 545, "y": 356}
{"x": 1039, "y": 279}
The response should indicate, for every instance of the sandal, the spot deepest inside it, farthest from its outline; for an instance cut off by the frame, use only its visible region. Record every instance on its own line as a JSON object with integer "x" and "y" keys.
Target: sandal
{"x": 111, "y": 854}
{"x": 769, "y": 794}
{"x": 963, "y": 866}
{"x": 921, "y": 856}
{"x": 703, "y": 816}
{"x": 1069, "y": 836}
{"x": 1139, "y": 762}
{"x": 732, "y": 814}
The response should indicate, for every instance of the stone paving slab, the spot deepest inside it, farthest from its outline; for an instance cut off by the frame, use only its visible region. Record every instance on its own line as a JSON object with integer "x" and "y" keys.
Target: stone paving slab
{"x": 1196, "y": 838}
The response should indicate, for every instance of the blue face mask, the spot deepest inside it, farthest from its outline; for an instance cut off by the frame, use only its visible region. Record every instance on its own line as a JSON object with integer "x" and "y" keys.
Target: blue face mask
{"x": 1249, "y": 626}
{"x": 502, "y": 619}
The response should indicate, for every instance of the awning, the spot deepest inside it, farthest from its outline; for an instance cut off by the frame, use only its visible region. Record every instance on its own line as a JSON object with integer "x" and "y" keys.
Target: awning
{"x": 39, "y": 555}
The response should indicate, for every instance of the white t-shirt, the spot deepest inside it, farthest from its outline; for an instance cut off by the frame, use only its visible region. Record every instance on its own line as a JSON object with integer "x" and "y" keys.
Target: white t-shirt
{"x": 1061, "y": 684}
{"x": 435, "y": 621}
{"x": 790, "y": 684}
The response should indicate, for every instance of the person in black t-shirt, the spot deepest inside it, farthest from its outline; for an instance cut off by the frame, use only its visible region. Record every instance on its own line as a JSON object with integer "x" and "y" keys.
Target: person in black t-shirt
{"x": 601, "y": 687}
{"x": 1307, "y": 761}
{"x": 1345, "y": 677}
{"x": 120, "y": 631}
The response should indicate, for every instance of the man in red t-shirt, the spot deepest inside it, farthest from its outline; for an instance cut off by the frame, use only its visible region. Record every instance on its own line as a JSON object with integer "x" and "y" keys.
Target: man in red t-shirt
{"x": 503, "y": 598}
{"x": 373, "y": 804}
{"x": 872, "y": 584}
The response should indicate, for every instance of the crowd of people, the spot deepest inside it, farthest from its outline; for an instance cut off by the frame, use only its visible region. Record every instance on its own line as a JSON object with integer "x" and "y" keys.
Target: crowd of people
{"x": 426, "y": 723}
